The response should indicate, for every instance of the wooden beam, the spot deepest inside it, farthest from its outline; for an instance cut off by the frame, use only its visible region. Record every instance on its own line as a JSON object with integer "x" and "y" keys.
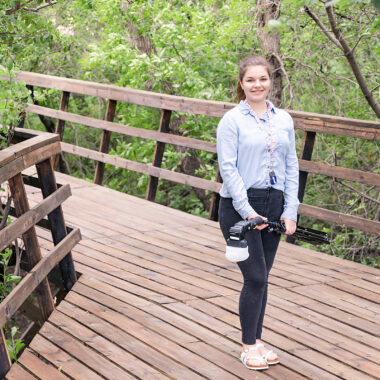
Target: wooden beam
{"x": 36, "y": 276}
{"x": 128, "y": 95}
{"x": 33, "y": 216}
{"x": 173, "y": 103}
{"x": 158, "y": 155}
{"x": 60, "y": 126}
{"x": 307, "y": 152}
{"x": 338, "y": 172}
{"x": 105, "y": 141}
{"x": 356, "y": 130}
{"x": 28, "y": 159}
{"x": 5, "y": 360}
{"x": 142, "y": 168}
{"x": 11, "y": 153}
{"x": 215, "y": 199}
{"x": 57, "y": 222}
{"x": 32, "y": 248}
{"x": 125, "y": 129}
{"x": 340, "y": 218}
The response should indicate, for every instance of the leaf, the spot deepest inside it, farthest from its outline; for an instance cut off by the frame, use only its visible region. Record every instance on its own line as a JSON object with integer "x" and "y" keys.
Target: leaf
{"x": 9, "y": 64}
{"x": 330, "y": 3}
{"x": 376, "y": 4}
{"x": 14, "y": 331}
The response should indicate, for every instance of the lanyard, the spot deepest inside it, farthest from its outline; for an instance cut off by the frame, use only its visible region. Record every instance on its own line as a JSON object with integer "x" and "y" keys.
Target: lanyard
{"x": 269, "y": 137}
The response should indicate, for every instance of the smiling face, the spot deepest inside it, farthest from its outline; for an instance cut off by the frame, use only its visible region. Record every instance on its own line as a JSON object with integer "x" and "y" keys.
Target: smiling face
{"x": 256, "y": 84}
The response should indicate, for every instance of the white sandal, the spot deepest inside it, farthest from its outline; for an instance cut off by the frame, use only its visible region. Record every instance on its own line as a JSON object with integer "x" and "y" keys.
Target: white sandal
{"x": 265, "y": 356}
{"x": 245, "y": 356}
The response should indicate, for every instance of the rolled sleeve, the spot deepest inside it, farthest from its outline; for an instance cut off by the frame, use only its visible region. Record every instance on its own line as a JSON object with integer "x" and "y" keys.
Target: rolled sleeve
{"x": 291, "y": 180}
{"x": 227, "y": 149}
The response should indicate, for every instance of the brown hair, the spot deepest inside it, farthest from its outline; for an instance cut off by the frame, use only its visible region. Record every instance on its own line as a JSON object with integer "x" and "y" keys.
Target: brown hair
{"x": 256, "y": 60}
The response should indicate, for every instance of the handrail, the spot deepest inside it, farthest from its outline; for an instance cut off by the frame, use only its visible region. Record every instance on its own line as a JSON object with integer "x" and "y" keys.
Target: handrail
{"x": 34, "y": 278}
{"x": 182, "y": 104}
{"x": 33, "y": 216}
{"x": 37, "y": 150}
{"x": 123, "y": 129}
{"x": 311, "y": 123}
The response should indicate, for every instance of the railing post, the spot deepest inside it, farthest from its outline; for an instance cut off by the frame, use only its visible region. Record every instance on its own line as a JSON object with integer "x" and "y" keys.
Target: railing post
{"x": 5, "y": 360}
{"x": 307, "y": 152}
{"x": 158, "y": 155}
{"x": 57, "y": 222}
{"x": 215, "y": 198}
{"x": 32, "y": 248}
{"x": 60, "y": 126}
{"x": 105, "y": 141}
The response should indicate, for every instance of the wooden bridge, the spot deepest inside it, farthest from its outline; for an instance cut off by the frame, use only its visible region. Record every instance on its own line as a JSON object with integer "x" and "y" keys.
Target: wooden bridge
{"x": 155, "y": 297}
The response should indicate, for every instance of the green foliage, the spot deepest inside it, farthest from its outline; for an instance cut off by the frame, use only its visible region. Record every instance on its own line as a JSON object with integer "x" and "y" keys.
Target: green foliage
{"x": 13, "y": 99}
{"x": 193, "y": 48}
{"x": 14, "y": 345}
{"x": 8, "y": 279}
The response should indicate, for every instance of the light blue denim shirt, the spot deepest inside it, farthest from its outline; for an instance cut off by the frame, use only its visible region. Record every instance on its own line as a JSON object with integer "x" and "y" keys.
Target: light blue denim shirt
{"x": 244, "y": 160}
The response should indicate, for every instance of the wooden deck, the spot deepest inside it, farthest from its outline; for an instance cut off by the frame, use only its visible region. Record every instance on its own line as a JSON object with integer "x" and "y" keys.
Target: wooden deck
{"x": 156, "y": 299}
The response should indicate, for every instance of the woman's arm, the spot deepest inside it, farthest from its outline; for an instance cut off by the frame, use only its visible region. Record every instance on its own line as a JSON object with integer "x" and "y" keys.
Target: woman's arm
{"x": 291, "y": 185}
{"x": 227, "y": 149}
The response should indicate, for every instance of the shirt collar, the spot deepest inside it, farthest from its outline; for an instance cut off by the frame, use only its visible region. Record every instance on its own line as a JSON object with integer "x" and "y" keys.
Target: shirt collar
{"x": 245, "y": 109}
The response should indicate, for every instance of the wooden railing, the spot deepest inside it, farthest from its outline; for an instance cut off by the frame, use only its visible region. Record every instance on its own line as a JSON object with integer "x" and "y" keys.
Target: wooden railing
{"x": 13, "y": 160}
{"x": 308, "y": 122}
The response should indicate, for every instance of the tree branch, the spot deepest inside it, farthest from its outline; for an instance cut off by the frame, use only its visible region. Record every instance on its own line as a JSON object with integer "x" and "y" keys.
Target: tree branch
{"x": 282, "y": 67}
{"x": 48, "y": 4}
{"x": 22, "y": 6}
{"x": 348, "y": 52}
{"x": 47, "y": 122}
{"x": 322, "y": 27}
{"x": 17, "y": 7}
{"x": 357, "y": 191}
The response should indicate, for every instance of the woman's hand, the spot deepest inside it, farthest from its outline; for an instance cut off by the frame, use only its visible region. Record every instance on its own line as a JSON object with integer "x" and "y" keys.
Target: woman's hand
{"x": 290, "y": 225}
{"x": 262, "y": 226}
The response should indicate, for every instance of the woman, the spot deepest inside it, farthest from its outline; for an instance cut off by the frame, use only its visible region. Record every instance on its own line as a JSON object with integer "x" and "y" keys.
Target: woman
{"x": 259, "y": 166}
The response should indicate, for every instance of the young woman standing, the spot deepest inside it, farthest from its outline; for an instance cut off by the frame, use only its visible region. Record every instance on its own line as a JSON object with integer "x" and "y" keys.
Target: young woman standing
{"x": 259, "y": 166}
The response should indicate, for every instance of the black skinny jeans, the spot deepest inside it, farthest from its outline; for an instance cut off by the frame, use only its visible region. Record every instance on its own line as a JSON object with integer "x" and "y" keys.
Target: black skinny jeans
{"x": 262, "y": 247}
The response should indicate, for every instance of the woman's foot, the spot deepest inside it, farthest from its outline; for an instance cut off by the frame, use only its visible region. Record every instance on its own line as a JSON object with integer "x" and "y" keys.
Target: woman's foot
{"x": 252, "y": 358}
{"x": 268, "y": 355}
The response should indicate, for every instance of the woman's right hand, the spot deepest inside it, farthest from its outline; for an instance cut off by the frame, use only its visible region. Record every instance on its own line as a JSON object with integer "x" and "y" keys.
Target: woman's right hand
{"x": 262, "y": 226}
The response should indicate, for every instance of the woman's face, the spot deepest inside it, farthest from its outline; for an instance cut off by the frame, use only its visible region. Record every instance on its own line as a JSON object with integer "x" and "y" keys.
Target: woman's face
{"x": 256, "y": 84}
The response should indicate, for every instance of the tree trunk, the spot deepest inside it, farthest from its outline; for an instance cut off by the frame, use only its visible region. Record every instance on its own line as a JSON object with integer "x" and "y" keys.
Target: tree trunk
{"x": 270, "y": 44}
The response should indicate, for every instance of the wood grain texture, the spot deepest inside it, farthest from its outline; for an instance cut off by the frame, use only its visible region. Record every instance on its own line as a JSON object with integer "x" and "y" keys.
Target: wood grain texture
{"x": 142, "y": 168}
{"x": 36, "y": 276}
{"x": 105, "y": 141}
{"x": 125, "y": 129}
{"x": 156, "y": 285}
{"x": 32, "y": 247}
{"x": 158, "y": 155}
{"x": 33, "y": 216}
{"x": 56, "y": 219}
{"x": 27, "y": 159}
{"x": 317, "y": 122}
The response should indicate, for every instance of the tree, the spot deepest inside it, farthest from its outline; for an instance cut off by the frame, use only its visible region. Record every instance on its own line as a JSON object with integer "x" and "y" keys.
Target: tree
{"x": 337, "y": 38}
{"x": 268, "y": 11}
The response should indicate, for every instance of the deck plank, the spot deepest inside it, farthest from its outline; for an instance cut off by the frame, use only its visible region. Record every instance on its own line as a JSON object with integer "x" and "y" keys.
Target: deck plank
{"x": 156, "y": 299}
{"x": 39, "y": 368}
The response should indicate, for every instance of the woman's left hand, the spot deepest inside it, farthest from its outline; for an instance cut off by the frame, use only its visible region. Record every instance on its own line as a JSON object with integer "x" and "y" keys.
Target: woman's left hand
{"x": 290, "y": 225}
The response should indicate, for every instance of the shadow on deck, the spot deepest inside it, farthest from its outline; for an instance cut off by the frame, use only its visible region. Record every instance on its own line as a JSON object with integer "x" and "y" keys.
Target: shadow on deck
{"x": 157, "y": 299}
